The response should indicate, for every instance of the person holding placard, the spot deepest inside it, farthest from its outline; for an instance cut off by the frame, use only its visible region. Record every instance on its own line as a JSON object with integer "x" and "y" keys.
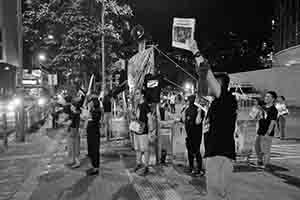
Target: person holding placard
{"x": 219, "y": 140}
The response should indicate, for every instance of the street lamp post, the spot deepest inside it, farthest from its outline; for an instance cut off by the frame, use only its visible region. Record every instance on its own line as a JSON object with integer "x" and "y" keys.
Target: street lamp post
{"x": 102, "y": 46}
{"x": 20, "y": 132}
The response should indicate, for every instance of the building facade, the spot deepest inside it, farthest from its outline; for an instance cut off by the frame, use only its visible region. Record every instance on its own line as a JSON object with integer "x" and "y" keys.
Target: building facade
{"x": 8, "y": 46}
{"x": 9, "y": 32}
{"x": 286, "y": 27}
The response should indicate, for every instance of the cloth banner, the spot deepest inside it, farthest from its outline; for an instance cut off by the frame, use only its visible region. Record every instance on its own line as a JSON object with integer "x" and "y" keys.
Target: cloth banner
{"x": 140, "y": 65}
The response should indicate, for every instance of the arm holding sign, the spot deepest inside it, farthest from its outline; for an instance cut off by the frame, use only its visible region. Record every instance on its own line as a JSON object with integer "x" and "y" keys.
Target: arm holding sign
{"x": 204, "y": 71}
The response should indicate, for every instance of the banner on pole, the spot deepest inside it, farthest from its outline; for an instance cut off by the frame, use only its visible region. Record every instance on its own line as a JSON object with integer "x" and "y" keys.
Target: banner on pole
{"x": 138, "y": 66}
{"x": 183, "y": 31}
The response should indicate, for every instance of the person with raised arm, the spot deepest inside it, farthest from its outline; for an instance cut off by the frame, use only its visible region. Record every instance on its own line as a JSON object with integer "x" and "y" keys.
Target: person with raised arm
{"x": 219, "y": 140}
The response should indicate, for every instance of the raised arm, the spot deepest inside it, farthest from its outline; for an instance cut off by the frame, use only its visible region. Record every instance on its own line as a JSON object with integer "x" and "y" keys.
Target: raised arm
{"x": 204, "y": 70}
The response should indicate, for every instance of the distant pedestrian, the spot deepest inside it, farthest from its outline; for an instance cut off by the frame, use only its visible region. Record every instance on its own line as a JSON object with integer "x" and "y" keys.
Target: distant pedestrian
{"x": 75, "y": 136}
{"x": 93, "y": 135}
{"x": 193, "y": 127}
{"x": 266, "y": 130}
{"x": 282, "y": 113}
{"x": 172, "y": 102}
{"x": 256, "y": 112}
{"x": 106, "y": 103}
{"x": 219, "y": 140}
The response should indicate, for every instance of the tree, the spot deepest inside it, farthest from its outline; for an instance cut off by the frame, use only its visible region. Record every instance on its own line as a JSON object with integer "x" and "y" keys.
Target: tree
{"x": 77, "y": 32}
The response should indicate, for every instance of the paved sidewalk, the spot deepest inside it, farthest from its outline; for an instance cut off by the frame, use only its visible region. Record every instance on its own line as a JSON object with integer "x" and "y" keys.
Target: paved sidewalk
{"x": 21, "y": 161}
{"x": 40, "y": 174}
{"x": 118, "y": 182}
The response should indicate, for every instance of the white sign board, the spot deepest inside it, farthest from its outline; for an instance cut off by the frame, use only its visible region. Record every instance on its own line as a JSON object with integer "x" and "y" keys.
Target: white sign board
{"x": 183, "y": 30}
{"x": 52, "y": 79}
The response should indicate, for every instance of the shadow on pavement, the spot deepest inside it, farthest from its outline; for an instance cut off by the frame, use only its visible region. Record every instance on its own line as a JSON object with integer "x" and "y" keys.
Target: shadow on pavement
{"x": 240, "y": 168}
{"x": 199, "y": 183}
{"x": 126, "y": 192}
{"x": 290, "y": 180}
{"x": 79, "y": 188}
{"x": 51, "y": 176}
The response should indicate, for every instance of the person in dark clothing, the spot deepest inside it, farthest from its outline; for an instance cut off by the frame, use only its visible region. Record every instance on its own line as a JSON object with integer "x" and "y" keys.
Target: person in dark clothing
{"x": 141, "y": 140}
{"x": 93, "y": 136}
{"x": 219, "y": 140}
{"x": 75, "y": 136}
{"x": 266, "y": 130}
{"x": 107, "y": 115}
{"x": 193, "y": 127}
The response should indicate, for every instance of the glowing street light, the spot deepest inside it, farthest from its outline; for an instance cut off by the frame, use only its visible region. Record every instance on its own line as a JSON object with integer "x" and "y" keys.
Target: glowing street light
{"x": 188, "y": 86}
{"x": 50, "y": 37}
{"x": 42, "y": 57}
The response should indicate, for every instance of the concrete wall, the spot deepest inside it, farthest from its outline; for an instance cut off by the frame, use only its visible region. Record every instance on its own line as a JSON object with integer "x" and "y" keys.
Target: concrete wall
{"x": 284, "y": 80}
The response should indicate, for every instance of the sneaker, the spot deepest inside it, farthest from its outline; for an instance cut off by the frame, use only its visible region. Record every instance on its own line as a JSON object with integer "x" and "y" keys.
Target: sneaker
{"x": 259, "y": 163}
{"x": 267, "y": 167}
{"x": 76, "y": 165}
{"x": 198, "y": 172}
{"x": 188, "y": 170}
{"x": 137, "y": 167}
{"x": 145, "y": 171}
{"x": 92, "y": 172}
{"x": 70, "y": 164}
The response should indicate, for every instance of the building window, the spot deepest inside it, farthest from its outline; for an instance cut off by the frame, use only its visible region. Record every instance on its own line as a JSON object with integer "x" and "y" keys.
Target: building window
{"x": 1, "y": 44}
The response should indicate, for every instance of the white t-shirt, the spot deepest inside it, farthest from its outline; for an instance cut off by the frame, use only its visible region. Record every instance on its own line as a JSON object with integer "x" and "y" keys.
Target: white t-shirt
{"x": 282, "y": 109}
{"x": 172, "y": 99}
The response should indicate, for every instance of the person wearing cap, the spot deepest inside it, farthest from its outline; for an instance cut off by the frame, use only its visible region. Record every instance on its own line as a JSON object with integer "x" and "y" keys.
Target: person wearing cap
{"x": 193, "y": 127}
{"x": 219, "y": 140}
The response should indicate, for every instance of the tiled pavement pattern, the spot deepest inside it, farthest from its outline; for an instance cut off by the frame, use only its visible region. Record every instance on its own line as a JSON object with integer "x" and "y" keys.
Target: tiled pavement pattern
{"x": 49, "y": 179}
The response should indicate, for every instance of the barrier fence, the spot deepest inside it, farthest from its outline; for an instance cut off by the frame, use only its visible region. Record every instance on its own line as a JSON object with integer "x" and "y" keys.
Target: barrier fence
{"x": 33, "y": 115}
{"x": 172, "y": 136}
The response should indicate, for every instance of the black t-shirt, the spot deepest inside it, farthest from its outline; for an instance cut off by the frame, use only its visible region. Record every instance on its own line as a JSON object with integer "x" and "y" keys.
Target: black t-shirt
{"x": 222, "y": 114}
{"x": 144, "y": 109}
{"x": 95, "y": 121}
{"x": 153, "y": 88}
{"x": 75, "y": 119}
{"x": 268, "y": 115}
{"x": 106, "y": 104}
{"x": 190, "y": 121}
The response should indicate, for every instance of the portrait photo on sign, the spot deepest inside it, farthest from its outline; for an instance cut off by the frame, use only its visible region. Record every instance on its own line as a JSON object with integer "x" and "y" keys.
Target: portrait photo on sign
{"x": 183, "y": 31}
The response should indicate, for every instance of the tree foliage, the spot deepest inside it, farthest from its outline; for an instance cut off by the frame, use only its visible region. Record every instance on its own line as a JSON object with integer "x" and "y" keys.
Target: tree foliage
{"x": 77, "y": 29}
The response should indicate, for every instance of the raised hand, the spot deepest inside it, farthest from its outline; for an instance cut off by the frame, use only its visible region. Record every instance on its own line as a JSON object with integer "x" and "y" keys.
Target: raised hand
{"x": 193, "y": 46}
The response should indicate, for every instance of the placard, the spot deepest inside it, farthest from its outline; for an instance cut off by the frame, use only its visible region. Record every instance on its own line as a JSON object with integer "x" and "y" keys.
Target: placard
{"x": 183, "y": 31}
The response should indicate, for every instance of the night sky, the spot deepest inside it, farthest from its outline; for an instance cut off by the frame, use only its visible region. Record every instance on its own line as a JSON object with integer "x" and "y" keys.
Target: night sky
{"x": 250, "y": 19}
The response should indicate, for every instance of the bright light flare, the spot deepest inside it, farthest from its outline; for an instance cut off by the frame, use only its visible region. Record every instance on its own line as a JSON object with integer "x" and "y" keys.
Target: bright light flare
{"x": 41, "y": 101}
{"x": 42, "y": 57}
{"x": 188, "y": 86}
{"x": 11, "y": 107}
{"x": 17, "y": 101}
{"x": 50, "y": 37}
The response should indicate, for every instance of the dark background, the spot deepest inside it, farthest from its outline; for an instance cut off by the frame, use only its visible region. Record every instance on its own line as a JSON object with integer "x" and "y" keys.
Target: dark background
{"x": 250, "y": 19}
